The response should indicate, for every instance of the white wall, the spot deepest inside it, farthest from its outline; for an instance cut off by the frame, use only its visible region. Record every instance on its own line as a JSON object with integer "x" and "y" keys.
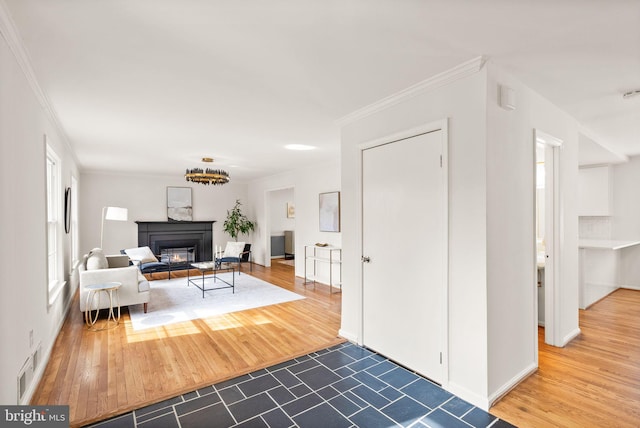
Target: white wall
{"x": 463, "y": 102}
{"x": 146, "y": 199}
{"x": 625, "y": 224}
{"x": 307, "y": 183}
{"x": 492, "y": 294}
{"x": 512, "y": 294}
{"x": 23, "y": 295}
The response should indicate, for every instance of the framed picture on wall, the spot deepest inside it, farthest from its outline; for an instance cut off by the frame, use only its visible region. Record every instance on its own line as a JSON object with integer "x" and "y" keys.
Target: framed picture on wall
{"x": 291, "y": 210}
{"x": 179, "y": 206}
{"x": 330, "y": 212}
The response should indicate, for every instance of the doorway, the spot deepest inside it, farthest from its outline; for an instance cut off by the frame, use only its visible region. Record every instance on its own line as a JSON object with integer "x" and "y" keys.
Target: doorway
{"x": 280, "y": 226}
{"x": 405, "y": 250}
{"x": 547, "y": 199}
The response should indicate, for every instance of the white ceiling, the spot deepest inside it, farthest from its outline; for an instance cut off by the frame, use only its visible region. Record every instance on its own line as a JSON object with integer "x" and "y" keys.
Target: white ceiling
{"x": 154, "y": 85}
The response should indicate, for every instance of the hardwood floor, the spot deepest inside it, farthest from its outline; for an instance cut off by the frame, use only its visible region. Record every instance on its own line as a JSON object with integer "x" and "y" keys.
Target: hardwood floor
{"x": 592, "y": 382}
{"x": 105, "y": 373}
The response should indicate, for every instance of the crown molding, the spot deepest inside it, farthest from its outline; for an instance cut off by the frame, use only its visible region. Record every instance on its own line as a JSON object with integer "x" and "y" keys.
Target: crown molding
{"x": 458, "y": 72}
{"x": 10, "y": 33}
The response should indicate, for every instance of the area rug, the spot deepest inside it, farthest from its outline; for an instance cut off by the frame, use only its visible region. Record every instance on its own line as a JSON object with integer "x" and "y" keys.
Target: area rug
{"x": 173, "y": 301}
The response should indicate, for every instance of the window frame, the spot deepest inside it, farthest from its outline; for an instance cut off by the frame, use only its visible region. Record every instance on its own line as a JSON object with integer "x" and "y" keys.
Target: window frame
{"x": 75, "y": 236}
{"x": 53, "y": 223}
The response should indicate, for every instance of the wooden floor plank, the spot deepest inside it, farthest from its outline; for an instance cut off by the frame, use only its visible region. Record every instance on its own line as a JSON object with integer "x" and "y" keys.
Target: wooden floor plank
{"x": 594, "y": 381}
{"x": 105, "y": 373}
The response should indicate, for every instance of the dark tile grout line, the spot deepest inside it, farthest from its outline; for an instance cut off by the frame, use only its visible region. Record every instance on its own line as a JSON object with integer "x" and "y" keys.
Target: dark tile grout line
{"x": 358, "y": 357}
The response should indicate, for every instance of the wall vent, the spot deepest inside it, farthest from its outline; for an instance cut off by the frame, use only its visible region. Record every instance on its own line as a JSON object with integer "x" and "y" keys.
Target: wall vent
{"x": 25, "y": 375}
{"x": 37, "y": 357}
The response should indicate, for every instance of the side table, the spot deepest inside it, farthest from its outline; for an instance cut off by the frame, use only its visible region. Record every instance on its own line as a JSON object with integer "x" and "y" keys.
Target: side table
{"x": 96, "y": 290}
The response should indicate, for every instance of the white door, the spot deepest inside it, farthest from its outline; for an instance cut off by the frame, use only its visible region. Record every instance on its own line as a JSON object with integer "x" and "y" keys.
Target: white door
{"x": 404, "y": 208}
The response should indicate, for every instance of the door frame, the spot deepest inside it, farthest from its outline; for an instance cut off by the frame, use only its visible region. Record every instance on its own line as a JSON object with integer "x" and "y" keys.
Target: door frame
{"x": 267, "y": 220}
{"x": 439, "y": 125}
{"x": 553, "y": 235}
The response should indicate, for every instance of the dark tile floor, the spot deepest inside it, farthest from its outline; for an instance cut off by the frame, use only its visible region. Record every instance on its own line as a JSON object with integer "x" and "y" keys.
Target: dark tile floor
{"x": 342, "y": 386}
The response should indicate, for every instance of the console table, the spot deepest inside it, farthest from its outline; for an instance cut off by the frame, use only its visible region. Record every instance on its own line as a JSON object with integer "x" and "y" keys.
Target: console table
{"x": 329, "y": 255}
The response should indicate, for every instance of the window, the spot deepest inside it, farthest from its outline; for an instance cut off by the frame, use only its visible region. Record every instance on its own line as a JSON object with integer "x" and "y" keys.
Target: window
{"x": 74, "y": 222}
{"x": 54, "y": 255}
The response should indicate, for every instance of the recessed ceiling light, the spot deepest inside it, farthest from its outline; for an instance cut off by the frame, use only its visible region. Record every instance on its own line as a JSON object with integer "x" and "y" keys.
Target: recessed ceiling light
{"x": 298, "y": 147}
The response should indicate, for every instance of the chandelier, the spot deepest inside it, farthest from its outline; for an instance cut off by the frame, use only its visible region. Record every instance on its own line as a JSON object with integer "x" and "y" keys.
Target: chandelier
{"x": 207, "y": 176}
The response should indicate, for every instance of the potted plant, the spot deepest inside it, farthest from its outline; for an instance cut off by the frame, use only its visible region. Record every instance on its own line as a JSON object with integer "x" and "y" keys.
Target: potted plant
{"x": 237, "y": 223}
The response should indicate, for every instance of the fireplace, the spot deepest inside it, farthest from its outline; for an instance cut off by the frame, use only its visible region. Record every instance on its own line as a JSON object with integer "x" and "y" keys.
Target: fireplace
{"x": 178, "y": 243}
{"x": 177, "y": 256}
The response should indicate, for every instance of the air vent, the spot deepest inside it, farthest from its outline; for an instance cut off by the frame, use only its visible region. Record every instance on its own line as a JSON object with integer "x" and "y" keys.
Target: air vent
{"x": 36, "y": 357}
{"x": 25, "y": 375}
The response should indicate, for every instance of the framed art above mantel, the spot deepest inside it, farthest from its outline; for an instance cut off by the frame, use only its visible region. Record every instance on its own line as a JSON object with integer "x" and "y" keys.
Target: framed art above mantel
{"x": 179, "y": 207}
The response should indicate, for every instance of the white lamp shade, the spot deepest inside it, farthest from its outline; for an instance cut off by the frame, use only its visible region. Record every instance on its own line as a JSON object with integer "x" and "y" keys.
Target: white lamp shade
{"x": 116, "y": 213}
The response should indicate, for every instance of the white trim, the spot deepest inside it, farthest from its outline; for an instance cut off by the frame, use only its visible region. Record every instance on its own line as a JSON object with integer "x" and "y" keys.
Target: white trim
{"x": 470, "y": 396}
{"x": 11, "y": 35}
{"x": 351, "y": 337}
{"x": 569, "y": 337}
{"x": 554, "y": 245}
{"x": 442, "y": 79}
{"x": 536, "y": 273}
{"x": 44, "y": 358}
{"x": 512, "y": 383}
{"x": 55, "y": 285}
{"x": 631, "y": 287}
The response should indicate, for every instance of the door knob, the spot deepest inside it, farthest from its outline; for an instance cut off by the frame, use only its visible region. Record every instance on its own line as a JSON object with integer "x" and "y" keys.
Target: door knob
{"x": 365, "y": 259}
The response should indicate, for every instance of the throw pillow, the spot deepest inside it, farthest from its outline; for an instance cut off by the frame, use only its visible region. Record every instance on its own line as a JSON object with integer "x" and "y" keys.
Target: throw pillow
{"x": 141, "y": 254}
{"x": 97, "y": 260}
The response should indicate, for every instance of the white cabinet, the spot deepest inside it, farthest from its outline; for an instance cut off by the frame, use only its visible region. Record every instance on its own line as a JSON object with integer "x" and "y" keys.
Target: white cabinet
{"x": 594, "y": 191}
{"x": 315, "y": 257}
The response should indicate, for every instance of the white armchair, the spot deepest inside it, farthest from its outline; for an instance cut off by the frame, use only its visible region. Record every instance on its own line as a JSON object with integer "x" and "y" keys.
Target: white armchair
{"x": 135, "y": 287}
{"x": 235, "y": 252}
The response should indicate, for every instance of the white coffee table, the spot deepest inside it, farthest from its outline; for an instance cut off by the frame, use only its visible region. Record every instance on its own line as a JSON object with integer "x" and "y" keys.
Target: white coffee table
{"x": 96, "y": 290}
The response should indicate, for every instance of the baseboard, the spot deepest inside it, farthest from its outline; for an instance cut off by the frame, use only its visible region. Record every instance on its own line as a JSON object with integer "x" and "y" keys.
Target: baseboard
{"x": 512, "y": 383}
{"x": 631, "y": 287}
{"x": 349, "y": 336}
{"x": 569, "y": 337}
{"x": 470, "y": 396}
{"x": 44, "y": 359}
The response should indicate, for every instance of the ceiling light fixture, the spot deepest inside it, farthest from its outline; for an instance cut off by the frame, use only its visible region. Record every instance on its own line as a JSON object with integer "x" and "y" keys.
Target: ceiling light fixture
{"x": 208, "y": 175}
{"x": 298, "y": 147}
{"x": 631, "y": 94}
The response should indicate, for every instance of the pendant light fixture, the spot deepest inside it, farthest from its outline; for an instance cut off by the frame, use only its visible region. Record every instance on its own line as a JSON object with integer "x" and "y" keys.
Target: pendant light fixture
{"x": 207, "y": 176}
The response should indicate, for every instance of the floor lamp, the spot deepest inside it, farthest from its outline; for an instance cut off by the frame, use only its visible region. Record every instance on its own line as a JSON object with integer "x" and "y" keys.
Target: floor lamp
{"x": 112, "y": 213}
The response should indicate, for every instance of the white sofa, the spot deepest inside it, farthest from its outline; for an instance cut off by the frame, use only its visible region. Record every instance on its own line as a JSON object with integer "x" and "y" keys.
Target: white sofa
{"x": 98, "y": 269}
